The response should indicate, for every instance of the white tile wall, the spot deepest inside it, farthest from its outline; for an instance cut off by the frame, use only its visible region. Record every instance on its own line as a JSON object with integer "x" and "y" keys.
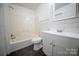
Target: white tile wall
{"x": 69, "y": 25}
{"x": 44, "y": 25}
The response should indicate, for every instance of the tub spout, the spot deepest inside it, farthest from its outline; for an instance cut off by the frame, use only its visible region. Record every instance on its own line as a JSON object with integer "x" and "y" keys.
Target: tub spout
{"x": 12, "y": 36}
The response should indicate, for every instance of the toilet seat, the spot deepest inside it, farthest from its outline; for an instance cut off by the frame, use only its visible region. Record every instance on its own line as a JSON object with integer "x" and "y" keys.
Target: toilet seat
{"x": 36, "y": 40}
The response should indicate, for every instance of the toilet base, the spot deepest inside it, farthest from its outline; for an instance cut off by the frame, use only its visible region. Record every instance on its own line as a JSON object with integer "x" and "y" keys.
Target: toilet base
{"x": 37, "y": 47}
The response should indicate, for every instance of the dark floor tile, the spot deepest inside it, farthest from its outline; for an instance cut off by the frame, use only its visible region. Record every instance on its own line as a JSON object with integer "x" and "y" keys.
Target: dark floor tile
{"x": 27, "y": 51}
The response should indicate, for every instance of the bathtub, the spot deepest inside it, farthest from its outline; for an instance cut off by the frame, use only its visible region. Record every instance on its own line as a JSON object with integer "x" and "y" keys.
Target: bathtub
{"x": 19, "y": 43}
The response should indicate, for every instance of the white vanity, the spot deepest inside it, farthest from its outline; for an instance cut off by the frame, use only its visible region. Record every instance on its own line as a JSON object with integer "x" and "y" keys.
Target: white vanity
{"x": 60, "y": 43}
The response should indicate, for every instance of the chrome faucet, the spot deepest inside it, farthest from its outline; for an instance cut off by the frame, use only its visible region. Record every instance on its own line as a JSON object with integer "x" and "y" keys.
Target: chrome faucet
{"x": 59, "y": 30}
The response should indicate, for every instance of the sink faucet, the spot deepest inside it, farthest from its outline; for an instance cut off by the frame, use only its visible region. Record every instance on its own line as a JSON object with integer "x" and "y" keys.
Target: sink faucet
{"x": 59, "y": 30}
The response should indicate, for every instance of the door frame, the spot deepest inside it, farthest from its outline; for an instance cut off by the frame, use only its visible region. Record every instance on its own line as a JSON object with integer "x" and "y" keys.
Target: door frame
{"x": 6, "y": 27}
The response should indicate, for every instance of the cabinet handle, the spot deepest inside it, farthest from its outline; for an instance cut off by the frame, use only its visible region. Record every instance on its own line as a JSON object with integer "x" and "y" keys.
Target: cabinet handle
{"x": 51, "y": 43}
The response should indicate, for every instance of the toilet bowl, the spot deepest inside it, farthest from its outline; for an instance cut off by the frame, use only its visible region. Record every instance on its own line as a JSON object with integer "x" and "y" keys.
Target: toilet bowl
{"x": 37, "y": 42}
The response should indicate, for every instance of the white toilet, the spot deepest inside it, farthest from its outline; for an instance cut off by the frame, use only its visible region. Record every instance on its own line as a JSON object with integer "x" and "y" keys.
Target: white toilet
{"x": 37, "y": 41}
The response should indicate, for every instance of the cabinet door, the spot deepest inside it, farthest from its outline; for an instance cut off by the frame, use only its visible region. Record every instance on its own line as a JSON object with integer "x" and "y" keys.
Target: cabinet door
{"x": 65, "y": 12}
{"x": 47, "y": 44}
{"x": 62, "y": 44}
{"x": 59, "y": 45}
{"x": 47, "y": 47}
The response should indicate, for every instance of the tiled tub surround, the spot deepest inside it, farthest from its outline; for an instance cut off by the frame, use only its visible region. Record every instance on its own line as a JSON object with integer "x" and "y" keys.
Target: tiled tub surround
{"x": 22, "y": 27}
{"x": 21, "y": 22}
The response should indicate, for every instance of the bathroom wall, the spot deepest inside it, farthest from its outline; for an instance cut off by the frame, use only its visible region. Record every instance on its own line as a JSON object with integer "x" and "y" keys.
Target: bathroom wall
{"x": 69, "y": 25}
{"x": 2, "y": 32}
{"x": 44, "y": 13}
{"x": 22, "y": 22}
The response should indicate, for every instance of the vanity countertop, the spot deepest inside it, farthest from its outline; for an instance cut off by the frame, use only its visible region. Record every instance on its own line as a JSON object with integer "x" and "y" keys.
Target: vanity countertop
{"x": 66, "y": 34}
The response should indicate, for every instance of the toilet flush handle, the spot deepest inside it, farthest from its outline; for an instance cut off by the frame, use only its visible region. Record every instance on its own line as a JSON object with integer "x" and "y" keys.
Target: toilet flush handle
{"x": 51, "y": 43}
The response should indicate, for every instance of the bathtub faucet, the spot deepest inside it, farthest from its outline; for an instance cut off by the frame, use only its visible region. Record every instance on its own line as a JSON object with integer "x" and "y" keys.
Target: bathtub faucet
{"x": 12, "y": 36}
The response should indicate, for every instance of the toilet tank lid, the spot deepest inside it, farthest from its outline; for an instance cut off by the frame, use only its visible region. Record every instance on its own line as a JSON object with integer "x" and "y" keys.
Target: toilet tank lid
{"x": 36, "y": 39}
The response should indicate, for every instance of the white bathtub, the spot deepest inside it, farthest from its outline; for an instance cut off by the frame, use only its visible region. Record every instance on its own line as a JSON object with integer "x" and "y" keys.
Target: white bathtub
{"x": 19, "y": 44}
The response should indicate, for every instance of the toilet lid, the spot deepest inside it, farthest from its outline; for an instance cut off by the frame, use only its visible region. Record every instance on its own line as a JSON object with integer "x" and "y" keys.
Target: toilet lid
{"x": 36, "y": 39}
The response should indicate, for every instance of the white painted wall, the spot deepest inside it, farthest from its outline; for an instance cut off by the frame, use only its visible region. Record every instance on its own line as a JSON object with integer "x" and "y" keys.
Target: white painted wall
{"x": 2, "y": 32}
{"x": 43, "y": 11}
{"x": 44, "y": 15}
{"x": 69, "y": 25}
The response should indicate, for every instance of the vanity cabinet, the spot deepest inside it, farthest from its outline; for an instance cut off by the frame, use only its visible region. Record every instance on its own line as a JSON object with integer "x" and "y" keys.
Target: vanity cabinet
{"x": 68, "y": 11}
{"x": 57, "y": 45}
{"x": 47, "y": 44}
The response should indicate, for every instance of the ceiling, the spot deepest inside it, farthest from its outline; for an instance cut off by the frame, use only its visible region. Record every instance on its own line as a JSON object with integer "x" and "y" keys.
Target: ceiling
{"x": 32, "y": 6}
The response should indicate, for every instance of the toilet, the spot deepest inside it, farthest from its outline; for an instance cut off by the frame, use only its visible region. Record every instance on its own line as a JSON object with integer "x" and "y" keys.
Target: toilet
{"x": 37, "y": 42}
